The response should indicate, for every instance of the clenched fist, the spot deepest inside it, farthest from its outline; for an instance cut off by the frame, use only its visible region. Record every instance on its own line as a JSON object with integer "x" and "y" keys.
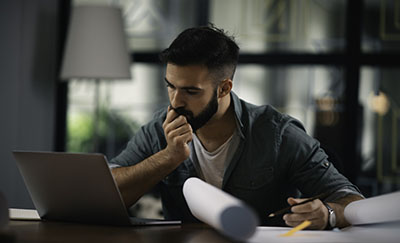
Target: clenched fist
{"x": 178, "y": 134}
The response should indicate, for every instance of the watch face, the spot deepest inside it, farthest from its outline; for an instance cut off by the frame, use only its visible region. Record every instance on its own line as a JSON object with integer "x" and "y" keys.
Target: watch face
{"x": 332, "y": 218}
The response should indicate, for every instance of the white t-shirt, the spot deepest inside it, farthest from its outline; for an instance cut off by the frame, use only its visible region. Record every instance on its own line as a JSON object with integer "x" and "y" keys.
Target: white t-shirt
{"x": 211, "y": 166}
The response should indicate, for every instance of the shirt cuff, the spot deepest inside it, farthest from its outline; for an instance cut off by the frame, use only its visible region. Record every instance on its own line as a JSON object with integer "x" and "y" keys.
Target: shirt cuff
{"x": 112, "y": 166}
{"x": 343, "y": 192}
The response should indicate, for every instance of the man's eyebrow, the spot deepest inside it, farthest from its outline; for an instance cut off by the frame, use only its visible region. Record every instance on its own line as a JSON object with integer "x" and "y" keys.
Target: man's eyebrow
{"x": 185, "y": 87}
{"x": 169, "y": 84}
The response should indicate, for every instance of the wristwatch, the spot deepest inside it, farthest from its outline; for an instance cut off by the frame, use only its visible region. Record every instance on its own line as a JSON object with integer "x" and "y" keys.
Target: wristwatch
{"x": 331, "y": 217}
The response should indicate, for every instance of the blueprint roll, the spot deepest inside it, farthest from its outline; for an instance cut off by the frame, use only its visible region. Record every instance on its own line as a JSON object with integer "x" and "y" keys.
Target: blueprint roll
{"x": 225, "y": 213}
{"x": 379, "y": 209}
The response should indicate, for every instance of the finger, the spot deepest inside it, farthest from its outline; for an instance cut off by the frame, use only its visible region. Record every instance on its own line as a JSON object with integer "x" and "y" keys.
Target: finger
{"x": 307, "y": 207}
{"x": 301, "y": 216}
{"x": 178, "y": 122}
{"x": 175, "y": 124}
{"x": 318, "y": 217}
{"x": 171, "y": 115}
{"x": 180, "y": 130}
{"x": 182, "y": 139}
{"x": 293, "y": 201}
{"x": 293, "y": 223}
{"x": 187, "y": 137}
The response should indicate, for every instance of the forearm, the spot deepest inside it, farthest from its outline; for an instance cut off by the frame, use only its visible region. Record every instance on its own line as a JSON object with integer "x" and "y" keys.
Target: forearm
{"x": 339, "y": 205}
{"x": 134, "y": 181}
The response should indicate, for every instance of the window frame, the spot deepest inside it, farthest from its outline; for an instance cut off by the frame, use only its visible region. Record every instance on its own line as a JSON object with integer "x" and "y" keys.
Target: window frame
{"x": 352, "y": 59}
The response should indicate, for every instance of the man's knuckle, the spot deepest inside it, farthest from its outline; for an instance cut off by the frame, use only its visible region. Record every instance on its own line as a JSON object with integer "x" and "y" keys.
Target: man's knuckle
{"x": 309, "y": 206}
{"x": 175, "y": 140}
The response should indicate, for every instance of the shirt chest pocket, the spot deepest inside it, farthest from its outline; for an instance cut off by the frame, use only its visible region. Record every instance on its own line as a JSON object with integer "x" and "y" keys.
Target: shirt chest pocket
{"x": 176, "y": 179}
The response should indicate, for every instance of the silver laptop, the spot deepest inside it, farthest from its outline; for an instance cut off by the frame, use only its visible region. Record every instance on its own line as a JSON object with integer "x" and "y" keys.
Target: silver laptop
{"x": 75, "y": 187}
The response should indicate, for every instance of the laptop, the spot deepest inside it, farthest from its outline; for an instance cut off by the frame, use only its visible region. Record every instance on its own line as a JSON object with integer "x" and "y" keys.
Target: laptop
{"x": 75, "y": 187}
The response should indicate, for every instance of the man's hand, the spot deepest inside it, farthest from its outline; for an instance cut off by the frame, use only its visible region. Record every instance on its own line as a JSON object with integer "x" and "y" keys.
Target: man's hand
{"x": 178, "y": 133}
{"x": 314, "y": 211}
{"x": 135, "y": 180}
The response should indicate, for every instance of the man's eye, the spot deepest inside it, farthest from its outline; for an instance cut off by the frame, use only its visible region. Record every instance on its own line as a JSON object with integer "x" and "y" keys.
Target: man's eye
{"x": 192, "y": 92}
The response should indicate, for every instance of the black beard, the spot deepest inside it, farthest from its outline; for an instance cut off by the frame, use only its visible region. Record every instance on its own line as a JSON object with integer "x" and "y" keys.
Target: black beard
{"x": 204, "y": 116}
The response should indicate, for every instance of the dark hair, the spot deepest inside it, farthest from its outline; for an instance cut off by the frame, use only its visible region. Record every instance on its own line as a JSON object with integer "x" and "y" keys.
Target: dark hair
{"x": 204, "y": 45}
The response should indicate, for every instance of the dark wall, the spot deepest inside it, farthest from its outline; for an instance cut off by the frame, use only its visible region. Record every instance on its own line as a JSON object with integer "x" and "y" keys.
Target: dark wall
{"x": 28, "y": 76}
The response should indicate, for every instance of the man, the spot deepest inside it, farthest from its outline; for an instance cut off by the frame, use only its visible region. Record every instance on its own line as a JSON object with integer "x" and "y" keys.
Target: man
{"x": 253, "y": 152}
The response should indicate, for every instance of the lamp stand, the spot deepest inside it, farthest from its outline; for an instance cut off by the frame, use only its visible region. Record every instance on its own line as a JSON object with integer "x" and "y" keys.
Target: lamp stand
{"x": 96, "y": 115}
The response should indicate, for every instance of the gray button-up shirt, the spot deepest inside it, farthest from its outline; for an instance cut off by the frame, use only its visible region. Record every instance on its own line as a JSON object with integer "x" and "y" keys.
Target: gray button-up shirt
{"x": 275, "y": 159}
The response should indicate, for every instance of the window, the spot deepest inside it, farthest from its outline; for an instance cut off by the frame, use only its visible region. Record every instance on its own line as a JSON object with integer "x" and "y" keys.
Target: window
{"x": 380, "y": 100}
{"x": 283, "y": 25}
{"x": 323, "y": 62}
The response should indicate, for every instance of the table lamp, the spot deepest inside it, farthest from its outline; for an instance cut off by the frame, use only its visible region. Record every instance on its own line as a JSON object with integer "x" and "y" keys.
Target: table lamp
{"x": 96, "y": 49}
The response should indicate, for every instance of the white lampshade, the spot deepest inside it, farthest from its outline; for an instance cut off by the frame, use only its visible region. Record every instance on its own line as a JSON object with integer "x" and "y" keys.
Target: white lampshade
{"x": 96, "y": 46}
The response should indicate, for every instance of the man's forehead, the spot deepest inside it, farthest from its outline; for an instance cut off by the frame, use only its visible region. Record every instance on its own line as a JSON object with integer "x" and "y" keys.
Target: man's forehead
{"x": 193, "y": 75}
{"x": 182, "y": 85}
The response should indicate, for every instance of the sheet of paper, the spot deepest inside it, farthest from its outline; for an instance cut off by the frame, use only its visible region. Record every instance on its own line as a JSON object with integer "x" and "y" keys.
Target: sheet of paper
{"x": 225, "y": 213}
{"x": 372, "y": 233}
{"x": 384, "y": 208}
{"x": 274, "y": 234}
{"x": 23, "y": 214}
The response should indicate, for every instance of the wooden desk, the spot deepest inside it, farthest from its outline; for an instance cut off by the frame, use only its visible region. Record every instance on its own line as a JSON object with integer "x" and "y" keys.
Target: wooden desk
{"x": 36, "y": 231}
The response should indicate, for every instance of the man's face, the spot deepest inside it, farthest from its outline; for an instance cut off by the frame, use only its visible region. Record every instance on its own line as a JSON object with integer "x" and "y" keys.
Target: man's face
{"x": 204, "y": 116}
{"x": 192, "y": 93}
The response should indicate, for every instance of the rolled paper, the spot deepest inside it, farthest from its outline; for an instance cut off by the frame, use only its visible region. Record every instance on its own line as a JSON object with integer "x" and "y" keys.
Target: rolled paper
{"x": 379, "y": 209}
{"x": 227, "y": 214}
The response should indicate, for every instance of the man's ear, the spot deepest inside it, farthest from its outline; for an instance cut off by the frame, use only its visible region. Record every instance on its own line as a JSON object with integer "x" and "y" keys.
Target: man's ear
{"x": 225, "y": 88}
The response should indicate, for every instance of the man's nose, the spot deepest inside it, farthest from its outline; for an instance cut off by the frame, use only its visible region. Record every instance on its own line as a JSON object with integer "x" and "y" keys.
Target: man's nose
{"x": 177, "y": 99}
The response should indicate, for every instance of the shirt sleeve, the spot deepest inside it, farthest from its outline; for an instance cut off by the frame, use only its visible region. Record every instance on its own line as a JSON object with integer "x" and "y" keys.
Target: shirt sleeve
{"x": 140, "y": 147}
{"x": 308, "y": 167}
{"x": 343, "y": 192}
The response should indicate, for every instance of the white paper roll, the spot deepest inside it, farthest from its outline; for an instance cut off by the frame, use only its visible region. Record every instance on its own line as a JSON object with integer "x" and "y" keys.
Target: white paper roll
{"x": 384, "y": 208}
{"x": 227, "y": 214}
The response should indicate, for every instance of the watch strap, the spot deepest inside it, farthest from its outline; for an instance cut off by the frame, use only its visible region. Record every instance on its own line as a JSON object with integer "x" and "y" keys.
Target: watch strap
{"x": 331, "y": 213}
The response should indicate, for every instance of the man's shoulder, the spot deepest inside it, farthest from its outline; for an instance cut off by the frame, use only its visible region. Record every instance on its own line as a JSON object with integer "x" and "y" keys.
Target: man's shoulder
{"x": 267, "y": 116}
{"x": 148, "y": 140}
{"x": 252, "y": 112}
{"x": 266, "y": 113}
{"x": 154, "y": 126}
{"x": 158, "y": 117}
{"x": 160, "y": 114}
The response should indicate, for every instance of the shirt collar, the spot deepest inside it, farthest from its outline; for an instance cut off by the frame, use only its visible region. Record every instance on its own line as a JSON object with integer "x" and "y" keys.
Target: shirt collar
{"x": 238, "y": 113}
